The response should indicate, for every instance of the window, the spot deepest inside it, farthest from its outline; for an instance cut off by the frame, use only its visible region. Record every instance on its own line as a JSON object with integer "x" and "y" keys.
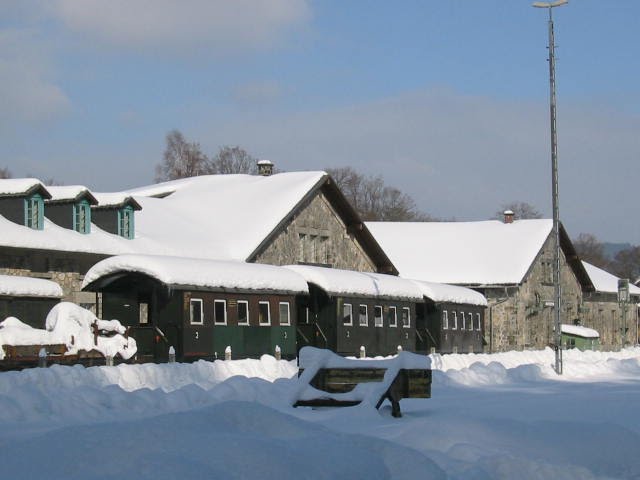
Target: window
{"x": 302, "y": 237}
{"x": 377, "y": 316}
{"x": 393, "y": 317}
{"x": 264, "y": 313}
{"x": 220, "y": 312}
{"x": 363, "y": 319}
{"x": 445, "y": 320}
{"x": 463, "y": 321}
{"x": 347, "y": 314}
{"x": 406, "y": 317}
{"x": 143, "y": 313}
{"x": 197, "y": 315}
{"x": 125, "y": 222}
{"x": 285, "y": 318}
{"x": 34, "y": 212}
{"x": 243, "y": 312}
{"x": 478, "y": 327}
{"x": 454, "y": 326}
{"x": 82, "y": 217}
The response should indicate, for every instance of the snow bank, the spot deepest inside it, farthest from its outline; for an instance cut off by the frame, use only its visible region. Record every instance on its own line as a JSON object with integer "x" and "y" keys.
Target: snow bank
{"x": 201, "y": 273}
{"x": 71, "y": 325}
{"x": 17, "y": 286}
{"x": 347, "y": 282}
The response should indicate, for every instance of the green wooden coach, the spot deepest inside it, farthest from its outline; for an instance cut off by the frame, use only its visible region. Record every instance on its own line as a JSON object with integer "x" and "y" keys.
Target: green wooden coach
{"x": 204, "y": 309}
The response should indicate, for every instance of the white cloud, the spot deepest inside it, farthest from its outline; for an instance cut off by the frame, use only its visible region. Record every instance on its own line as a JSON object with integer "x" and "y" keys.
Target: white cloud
{"x": 207, "y": 25}
{"x": 28, "y": 93}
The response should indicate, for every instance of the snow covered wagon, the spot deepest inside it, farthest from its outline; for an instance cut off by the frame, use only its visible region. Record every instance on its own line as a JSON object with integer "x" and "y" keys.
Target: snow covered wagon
{"x": 450, "y": 320}
{"x": 347, "y": 310}
{"x": 201, "y": 308}
{"x": 29, "y": 299}
{"x": 582, "y": 338}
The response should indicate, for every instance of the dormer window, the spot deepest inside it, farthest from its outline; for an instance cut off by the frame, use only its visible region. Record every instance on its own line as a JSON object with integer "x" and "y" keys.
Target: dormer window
{"x": 82, "y": 217}
{"x": 34, "y": 212}
{"x": 125, "y": 222}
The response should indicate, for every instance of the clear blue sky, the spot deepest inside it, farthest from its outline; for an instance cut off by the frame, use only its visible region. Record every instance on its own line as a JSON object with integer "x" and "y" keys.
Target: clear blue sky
{"x": 447, "y": 100}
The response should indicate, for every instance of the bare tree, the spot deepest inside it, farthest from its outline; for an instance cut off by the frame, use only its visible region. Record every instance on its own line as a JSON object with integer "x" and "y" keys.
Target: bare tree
{"x": 521, "y": 210}
{"x": 232, "y": 160}
{"x": 626, "y": 264}
{"x": 591, "y": 250}
{"x": 374, "y": 200}
{"x": 181, "y": 159}
{"x": 5, "y": 173}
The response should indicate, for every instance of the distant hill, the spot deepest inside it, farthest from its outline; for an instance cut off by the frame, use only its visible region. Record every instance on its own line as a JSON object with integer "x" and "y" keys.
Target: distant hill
{"x": 611, "y": 249}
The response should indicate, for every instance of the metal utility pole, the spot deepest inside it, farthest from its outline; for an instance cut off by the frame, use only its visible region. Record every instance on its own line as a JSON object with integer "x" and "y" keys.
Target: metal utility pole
{"x": 554, "y": 185}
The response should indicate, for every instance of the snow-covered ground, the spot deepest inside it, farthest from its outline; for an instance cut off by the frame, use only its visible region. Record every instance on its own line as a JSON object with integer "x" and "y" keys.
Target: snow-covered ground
{"x": 491, "y": 416}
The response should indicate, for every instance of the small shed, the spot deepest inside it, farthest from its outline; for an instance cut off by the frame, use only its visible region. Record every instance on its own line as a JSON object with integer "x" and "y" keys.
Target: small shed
{"x": 29, "y": 299}
{"x": 347, "y": 310}
{"x": 582, "y": 338}
{"x": 198, "y": 306}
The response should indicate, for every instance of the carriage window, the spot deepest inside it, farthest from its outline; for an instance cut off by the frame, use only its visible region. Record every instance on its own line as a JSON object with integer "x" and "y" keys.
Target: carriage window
{"x": 454, "y": 326}
{"x": 462, "y": 321}
{"x": 362, "y": 318}
{"x": 393, "y": 317}
{"x": 377, "y": 316}
{"x": 478, "y": 328}
{"x": 347, "y": 314}
{"x": 243, "y": 312}
{"x": 264, "y": 314}
{"x": 445, "y": 320}
{"x": 285, "y": 318}
{"x": 406, "y": 317}
{"x": 220, "y": 312}
{"x": 195, "y": 308}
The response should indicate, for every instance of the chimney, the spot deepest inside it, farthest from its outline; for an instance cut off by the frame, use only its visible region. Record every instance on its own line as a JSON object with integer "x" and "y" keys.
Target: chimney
{"x": 265, "y": 168}
{"x": 508, "y": 216}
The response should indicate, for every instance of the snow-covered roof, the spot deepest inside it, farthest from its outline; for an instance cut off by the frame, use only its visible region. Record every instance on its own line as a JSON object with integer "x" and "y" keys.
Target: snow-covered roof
{"x": 15, "y": 286}
{"x": 472, "y": 253}
{"x": 441, "y": 292}
{"x": 70, "y": 193}
{"x": 201, "y": 273}
{"x": 116, "y": 199}
{"x": 605, "y": 282}
{"x": 579, "y": 331}
{"x": 224, "y": 217}
{"x": 19, "y": 186}
{"x": 346, "y": 282}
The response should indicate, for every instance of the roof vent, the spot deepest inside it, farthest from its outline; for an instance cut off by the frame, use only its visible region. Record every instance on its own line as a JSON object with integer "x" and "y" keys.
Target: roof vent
{"x": 508, "y": 216}
{"x": 265, "y": 167}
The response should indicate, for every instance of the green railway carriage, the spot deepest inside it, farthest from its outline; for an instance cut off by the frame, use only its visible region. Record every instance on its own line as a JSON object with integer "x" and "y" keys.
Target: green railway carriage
{"x": 201, "y": 308}
{"x": 348, "y": 310}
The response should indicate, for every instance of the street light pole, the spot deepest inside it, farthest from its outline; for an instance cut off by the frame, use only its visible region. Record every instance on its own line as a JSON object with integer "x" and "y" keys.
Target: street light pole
{"x": 554, "y": 185}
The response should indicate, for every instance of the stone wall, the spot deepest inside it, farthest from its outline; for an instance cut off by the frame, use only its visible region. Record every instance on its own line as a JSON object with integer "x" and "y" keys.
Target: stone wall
{"x": 316, "y": 235}
{"x": 617, "y": 324}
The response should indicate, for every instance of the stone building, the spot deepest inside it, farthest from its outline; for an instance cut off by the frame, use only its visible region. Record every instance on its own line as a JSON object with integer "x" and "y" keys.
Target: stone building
{"x": 511, "y": 263}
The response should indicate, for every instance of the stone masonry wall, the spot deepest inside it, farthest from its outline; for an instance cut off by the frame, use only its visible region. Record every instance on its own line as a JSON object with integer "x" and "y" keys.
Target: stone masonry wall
{"x": 317, "y": 236}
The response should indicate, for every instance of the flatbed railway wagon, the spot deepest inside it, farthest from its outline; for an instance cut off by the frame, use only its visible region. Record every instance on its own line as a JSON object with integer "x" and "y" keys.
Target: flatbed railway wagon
{"x": 348, "y": 310}
{"x": 204, "y": 309}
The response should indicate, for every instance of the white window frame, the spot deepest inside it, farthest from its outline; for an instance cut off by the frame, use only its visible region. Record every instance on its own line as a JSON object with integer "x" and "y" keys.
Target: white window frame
{"x": 408, "y": 310}
{"x": 246, "y": 303}
{"x": 379, "y": 324}
{"x": 268, "y": 304}
{"x": 350, "y": 323}
{"x": 455, "y": 321}
{"x": 463, "y": 321}
{"x": 366, "y": 316}
{"x": 216, "y": 321}
{"x": 192, "y": 303}
{"x": 478, "y": 323}
{"x": 445, "y": 320}
{"x": 288, "y": 322}
{"x": 393, "y": 324}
